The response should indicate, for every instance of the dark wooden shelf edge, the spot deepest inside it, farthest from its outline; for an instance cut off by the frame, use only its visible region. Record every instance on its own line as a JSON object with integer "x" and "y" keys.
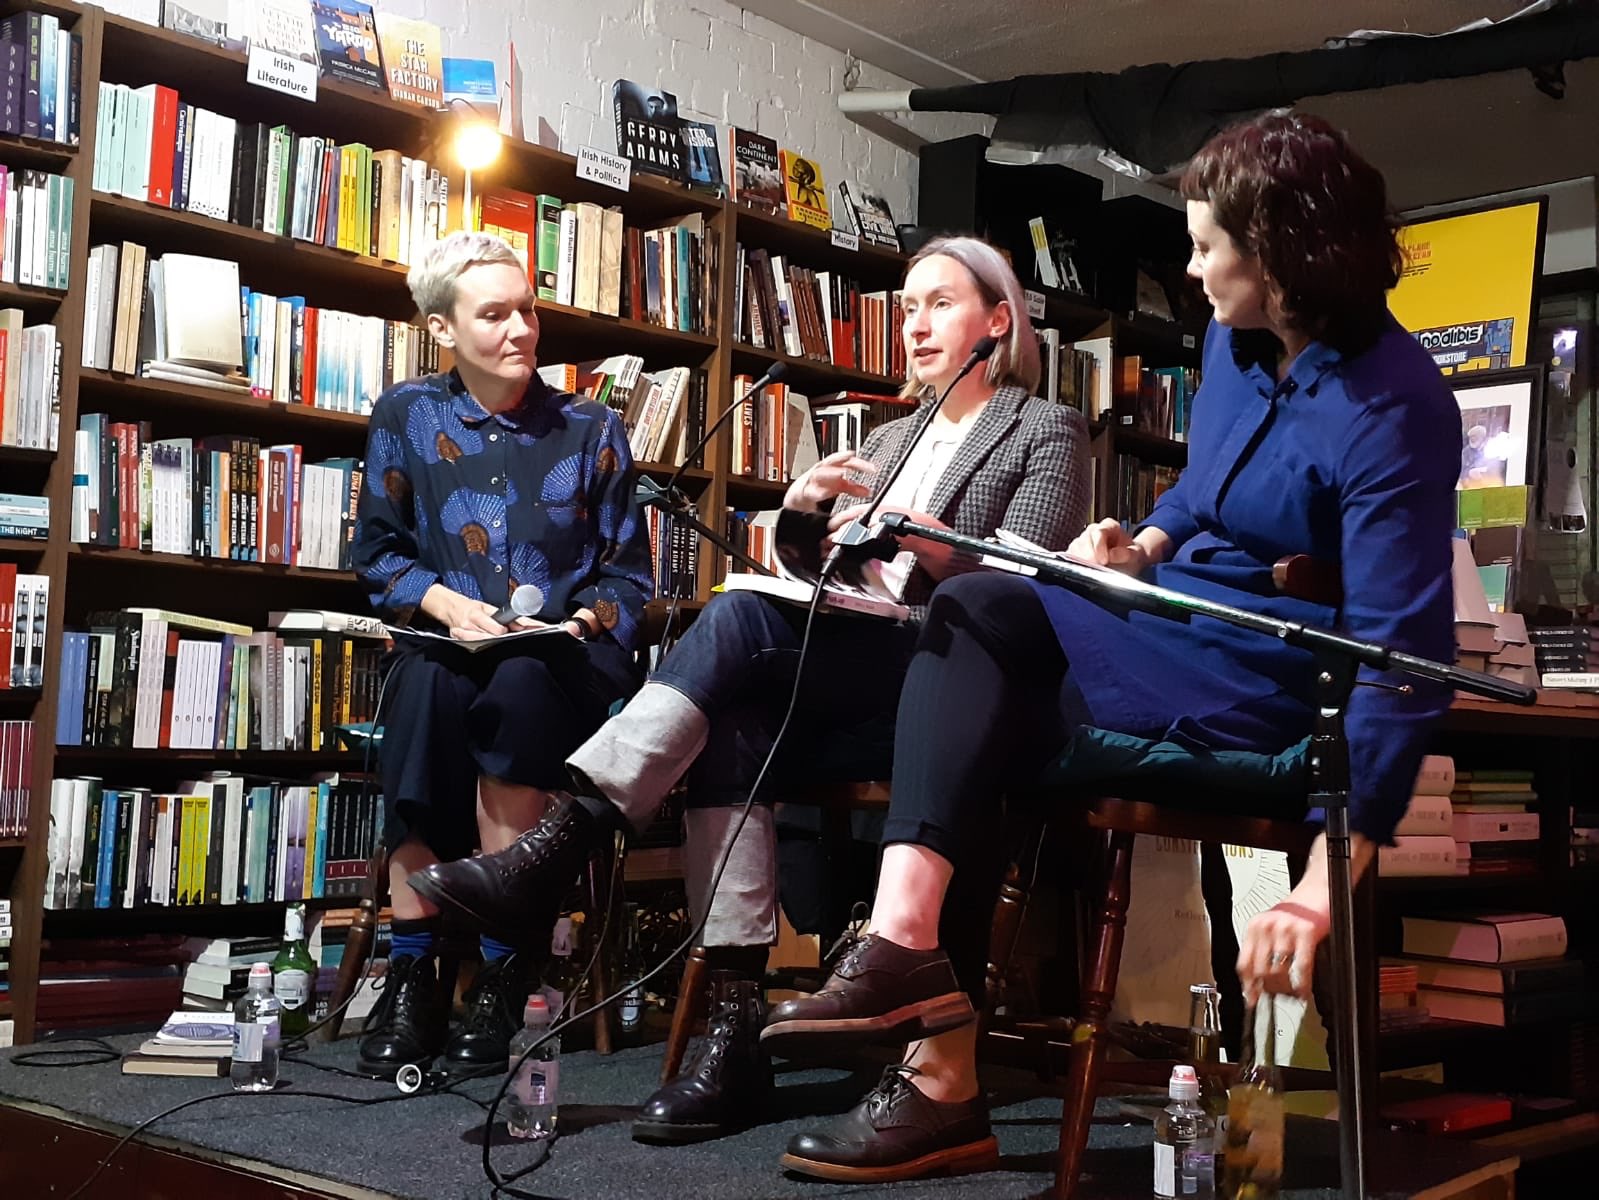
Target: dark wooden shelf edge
{"x": 167, "y": 754}
{"x": 68, "y": 915}
{"x": 92, "y": 382}
{"x": 811, "y": 365}
{"x": 12, "y": 545}
{"x": 98, "y": 554}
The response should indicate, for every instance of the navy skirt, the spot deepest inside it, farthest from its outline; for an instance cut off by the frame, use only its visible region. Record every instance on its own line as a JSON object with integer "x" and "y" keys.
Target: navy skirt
{"x": 449, "y": 717}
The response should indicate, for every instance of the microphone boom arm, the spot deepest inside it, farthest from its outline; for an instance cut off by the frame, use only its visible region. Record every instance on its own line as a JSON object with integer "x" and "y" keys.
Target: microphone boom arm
{"x": 1115, "y": 588}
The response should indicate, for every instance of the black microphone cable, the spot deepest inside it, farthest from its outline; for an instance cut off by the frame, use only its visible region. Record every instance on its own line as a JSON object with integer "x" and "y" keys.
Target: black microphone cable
{"x": 503, "y": 1183}
{"x": 982, "y": 350}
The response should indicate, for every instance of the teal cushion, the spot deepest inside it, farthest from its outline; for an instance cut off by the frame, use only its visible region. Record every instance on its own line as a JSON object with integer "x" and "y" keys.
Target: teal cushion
{"x": 1135, "y": 768}
{"x": 356, "y": 735}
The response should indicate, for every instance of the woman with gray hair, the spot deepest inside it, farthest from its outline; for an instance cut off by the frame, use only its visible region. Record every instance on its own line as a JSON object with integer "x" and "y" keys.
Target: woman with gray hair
{"x": 479, "y": 481}
{"x": 994, "y": 456}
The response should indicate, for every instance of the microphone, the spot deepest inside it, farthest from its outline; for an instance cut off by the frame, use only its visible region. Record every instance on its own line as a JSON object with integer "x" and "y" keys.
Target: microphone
{"x": 663, "y": 495}
{"x": 855, "y": 533}
{"x": 526, "y": 601}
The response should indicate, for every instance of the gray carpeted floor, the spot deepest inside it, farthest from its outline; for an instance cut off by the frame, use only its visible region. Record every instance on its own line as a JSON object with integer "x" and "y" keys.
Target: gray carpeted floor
{"x": 430, "y": 1147}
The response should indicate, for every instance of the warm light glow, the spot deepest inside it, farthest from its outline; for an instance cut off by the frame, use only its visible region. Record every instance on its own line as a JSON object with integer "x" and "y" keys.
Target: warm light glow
{"x": 477, "y": 144}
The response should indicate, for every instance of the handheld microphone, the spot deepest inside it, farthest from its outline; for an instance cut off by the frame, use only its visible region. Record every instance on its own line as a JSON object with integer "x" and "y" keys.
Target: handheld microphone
{"x": 526, "y": 601}
{"x": 665, "y": 494}
{"x": 855, "y": 533}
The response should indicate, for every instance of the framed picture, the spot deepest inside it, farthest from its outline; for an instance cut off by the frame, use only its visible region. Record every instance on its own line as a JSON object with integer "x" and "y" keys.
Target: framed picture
{"x": 1469, "y": 282}
{"x": 1500, "y": 412}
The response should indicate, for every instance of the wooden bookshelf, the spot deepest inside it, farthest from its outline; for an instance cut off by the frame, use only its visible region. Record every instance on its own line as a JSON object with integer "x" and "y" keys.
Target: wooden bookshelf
{"x": 808, "y": 376}
{"x": 35, "y": 152}
{"x": 133, "y": 398}
{"x": 109, "y": 556}
{"x": 15, "y": 545}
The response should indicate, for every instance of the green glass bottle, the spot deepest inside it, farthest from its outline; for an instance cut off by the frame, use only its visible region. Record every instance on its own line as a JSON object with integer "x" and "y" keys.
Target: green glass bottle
{"x": 630, "y": 970}
{"x": 1253, "y": 1168}
{"x": 294, "y": 974}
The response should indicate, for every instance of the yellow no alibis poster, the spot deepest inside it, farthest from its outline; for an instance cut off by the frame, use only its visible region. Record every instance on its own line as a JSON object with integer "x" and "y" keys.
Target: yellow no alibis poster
{"x": 1467, "y": 283}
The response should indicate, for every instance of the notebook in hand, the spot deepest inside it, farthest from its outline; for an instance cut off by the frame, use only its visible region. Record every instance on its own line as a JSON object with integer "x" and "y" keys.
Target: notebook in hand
{"x": 835, "y": 596}
{"x": 511, "y": 638}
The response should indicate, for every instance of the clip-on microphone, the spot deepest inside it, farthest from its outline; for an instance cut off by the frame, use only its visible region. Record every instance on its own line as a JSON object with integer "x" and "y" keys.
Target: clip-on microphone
{"x": 855, "y": 537}
{"x": 667, "y": 498}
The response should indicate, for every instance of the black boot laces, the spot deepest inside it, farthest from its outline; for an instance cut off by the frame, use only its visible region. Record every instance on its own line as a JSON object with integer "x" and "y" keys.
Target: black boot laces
{"x": 397, "y": 995}
{"x": 719, "y": 1033}
{"x": 893, "y": 1087}
{"x": 487, "y": 1008}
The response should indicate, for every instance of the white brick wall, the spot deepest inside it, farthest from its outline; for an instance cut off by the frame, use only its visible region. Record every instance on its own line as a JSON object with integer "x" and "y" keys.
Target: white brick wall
{"x": 723, "y": 64}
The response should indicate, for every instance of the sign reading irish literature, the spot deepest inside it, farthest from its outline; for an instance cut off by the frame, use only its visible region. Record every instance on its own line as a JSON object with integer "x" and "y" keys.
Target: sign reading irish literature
{"x": 1465, "y": 290}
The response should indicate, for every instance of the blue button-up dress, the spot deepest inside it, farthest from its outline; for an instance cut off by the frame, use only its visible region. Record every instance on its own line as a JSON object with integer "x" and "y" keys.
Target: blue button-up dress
{"x": 1352, "y": 460}
{"x": 541, "y": 493}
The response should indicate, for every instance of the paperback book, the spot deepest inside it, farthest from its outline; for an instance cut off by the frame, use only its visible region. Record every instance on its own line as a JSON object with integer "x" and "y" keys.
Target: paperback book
{"x": 648, "y": 130}
{"x": 347, "y": 40}
{"x": 412, "y": 53}
{"x": 757, "y": 171}
{"x": 804, "y": 190}
{"x": 704, "y": 157}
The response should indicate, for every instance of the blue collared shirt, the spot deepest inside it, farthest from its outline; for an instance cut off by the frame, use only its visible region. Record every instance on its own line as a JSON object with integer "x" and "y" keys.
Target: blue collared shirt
{"x": 541, "y": 493}
{"x": 1349, "y": 459}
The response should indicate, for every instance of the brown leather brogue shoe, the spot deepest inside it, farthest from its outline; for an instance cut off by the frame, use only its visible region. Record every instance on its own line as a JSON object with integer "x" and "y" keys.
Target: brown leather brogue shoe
{"x": 879, "y": 992}
{"x": 515, "y": 893}
{"x": 896, "y": 1133}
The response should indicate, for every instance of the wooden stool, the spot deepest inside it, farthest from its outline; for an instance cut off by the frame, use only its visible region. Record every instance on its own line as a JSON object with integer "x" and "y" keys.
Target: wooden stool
{"x": 1083, "y": 1040}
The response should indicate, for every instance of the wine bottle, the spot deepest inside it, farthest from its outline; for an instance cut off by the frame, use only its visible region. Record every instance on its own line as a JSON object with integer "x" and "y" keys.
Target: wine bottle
{"x": 1253, "y": 1167}
{"x": 293, "y": 974}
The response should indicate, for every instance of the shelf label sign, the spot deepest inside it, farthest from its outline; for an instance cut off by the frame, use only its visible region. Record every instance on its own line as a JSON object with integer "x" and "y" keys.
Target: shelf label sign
{"x": 284, "y": 73}
{"x": 1035, "y": 305}
{"x": 608, "y": 169}
{"x": 845, "y": 240}
{"x": 1188, "y": 341}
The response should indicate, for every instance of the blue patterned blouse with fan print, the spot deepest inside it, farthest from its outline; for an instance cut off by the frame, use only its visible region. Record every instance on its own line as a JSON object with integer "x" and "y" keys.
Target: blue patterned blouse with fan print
{"x": 541, "y": 494}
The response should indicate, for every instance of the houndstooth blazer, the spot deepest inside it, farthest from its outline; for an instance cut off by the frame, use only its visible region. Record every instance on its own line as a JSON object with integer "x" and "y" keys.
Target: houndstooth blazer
{"x": 1023, "y": 465}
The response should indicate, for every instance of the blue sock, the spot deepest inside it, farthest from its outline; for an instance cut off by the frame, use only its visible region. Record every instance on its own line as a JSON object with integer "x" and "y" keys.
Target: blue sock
{"x": 494, "y": 950}
{"x": 412, "y": 939}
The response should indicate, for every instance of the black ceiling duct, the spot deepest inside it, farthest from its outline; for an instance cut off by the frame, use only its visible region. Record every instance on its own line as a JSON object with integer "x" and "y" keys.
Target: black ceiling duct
{"x": 1158, "y": 115}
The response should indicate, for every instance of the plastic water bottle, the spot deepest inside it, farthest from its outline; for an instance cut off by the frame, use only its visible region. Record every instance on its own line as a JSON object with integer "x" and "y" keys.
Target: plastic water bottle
{"x": 1185, "y": 1143}
{"x": 256, "y": 1034}
{"x": 532, "y": 1094}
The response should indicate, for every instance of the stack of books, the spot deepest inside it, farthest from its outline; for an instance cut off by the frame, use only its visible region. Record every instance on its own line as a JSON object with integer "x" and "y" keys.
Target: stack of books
{"x": 1504, "y": 969}
{"x": 1567, "y": 656}
{"x": 1424, "y": 839}
{"x": 1398, "y": 1005}
{"x": 5, "y": 948}
{"x": 1584, "y": 823}
{"x": 220, "y": 972}
{"x": 1495, "y": 823}
{"x": 188, "y": 1043}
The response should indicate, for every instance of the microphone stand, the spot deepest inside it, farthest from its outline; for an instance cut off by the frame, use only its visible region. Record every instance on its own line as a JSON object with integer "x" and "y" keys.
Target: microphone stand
{"x": 798, "y": 534}
{"x": 667, "y": 498}
{"x": 1338, "y": 659}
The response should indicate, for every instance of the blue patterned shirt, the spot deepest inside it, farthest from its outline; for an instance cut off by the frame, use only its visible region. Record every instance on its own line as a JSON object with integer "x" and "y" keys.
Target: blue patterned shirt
{"x": 541, "y": 493}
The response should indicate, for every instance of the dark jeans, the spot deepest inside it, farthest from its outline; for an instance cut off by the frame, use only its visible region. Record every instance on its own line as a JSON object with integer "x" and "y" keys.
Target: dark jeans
{"x": 987, "y": 704}
{"x": 737, "y": 663}
{"x": 449, "y": 717}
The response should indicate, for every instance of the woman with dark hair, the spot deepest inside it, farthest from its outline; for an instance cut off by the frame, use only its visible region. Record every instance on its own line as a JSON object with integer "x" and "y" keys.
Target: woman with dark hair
{"x": 1321, "y": 428}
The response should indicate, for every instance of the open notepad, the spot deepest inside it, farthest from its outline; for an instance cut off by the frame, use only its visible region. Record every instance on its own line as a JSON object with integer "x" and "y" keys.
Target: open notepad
{"x": 510, "y": 637}
{"x": 837, "y": 596}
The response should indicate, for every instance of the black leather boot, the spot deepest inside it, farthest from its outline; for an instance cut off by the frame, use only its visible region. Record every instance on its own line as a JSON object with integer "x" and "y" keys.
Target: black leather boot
{"x": 494, "y": 1006}
{"x": 725, "y": 1086}
{"x": 515, "y": 894}
{"x": 406, "y": 1025}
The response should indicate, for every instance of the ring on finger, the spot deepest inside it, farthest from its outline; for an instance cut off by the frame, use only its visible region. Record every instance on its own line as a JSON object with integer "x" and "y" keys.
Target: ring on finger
{"x": 1278, "y": 958}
